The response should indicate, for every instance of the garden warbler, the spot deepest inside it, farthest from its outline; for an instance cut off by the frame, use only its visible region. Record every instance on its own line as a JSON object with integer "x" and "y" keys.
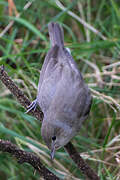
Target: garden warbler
{"x": 62, "y": 94}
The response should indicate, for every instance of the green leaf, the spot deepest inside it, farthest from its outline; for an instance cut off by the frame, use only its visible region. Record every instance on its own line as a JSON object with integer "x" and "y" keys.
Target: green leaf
{"x": 30, "y": 26}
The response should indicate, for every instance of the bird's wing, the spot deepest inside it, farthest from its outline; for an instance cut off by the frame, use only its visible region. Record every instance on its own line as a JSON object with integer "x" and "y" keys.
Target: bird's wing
{"x": 72, "y": 98}
{"x": 48, "y": 82}
{"x": 51, "y": 58}
{"x": 82, "y": 96}
{"x": 69, "y": 59}
{"x": 51, "y": 70}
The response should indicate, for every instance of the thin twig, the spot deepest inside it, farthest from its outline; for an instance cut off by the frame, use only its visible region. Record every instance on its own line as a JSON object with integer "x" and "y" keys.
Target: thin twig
{"x": 108, "y": 99}
{"x": 111, "y": 65}
{"x": 96, "y": 69}
{"x": 88, "y": 26}
{"x": 82, "y": 165}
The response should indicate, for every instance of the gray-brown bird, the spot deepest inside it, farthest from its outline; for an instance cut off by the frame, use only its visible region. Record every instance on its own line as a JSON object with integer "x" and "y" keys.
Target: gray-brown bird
{"x": 63, "y": 96}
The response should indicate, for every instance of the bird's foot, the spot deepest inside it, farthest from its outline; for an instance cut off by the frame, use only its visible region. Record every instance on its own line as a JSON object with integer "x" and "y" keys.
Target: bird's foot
{"x": 33, "y": 106}
{"x": 68, "y": 49}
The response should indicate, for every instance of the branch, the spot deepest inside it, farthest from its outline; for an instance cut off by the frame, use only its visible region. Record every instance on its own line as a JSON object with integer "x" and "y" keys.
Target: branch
{"x": 24, "y": 101}
{"x": 81, "y": 164}
{"x": 27, "y": 157}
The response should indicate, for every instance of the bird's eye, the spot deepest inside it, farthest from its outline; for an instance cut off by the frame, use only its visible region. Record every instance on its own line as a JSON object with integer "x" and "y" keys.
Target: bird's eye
{"x": 54, "y": 138}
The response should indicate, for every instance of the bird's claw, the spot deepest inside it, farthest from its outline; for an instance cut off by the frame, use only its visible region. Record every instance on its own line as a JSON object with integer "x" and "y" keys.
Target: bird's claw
{"x": 32, "y": 106}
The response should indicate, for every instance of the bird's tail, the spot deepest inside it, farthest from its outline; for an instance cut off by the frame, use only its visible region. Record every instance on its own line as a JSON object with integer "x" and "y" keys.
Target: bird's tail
{"x": 56, "y": 34}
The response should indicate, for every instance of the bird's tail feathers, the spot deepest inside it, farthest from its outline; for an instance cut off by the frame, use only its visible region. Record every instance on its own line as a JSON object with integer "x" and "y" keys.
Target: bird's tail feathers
{"x": 56, "y": 34}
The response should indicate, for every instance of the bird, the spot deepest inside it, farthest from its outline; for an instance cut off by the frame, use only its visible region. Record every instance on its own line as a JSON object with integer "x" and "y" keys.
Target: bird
{"x": 63, "y": 95}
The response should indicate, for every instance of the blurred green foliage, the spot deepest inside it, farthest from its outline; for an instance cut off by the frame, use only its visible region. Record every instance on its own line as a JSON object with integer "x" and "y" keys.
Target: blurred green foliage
{"x": 22, "y": 51}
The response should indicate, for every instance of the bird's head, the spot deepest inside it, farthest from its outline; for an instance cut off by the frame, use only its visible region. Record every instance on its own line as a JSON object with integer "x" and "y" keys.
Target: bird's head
{"x": 55, "y": 133}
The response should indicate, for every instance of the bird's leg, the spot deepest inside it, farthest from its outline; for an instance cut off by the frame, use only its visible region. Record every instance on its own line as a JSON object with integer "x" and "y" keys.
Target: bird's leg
{"x": 32, "y": 106}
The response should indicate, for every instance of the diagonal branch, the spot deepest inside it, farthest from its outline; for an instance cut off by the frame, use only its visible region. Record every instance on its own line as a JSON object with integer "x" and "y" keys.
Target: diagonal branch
{"x": 27, "y": 157}
{"x": 81, "y": 164}
{"x": 24, "y": 101}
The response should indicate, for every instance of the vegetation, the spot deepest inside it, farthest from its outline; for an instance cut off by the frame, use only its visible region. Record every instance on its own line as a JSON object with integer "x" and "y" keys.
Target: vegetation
{"x": 95, "y": 46}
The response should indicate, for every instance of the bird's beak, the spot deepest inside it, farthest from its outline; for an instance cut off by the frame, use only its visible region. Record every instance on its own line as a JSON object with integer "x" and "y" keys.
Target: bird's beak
{"x": 52, "y": 150}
